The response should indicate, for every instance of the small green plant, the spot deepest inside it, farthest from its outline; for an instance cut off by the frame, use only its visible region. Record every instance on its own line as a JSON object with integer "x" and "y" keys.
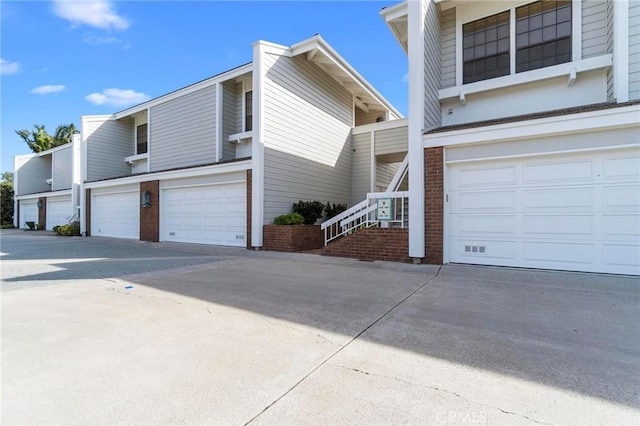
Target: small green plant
{"x": 39, "y": 227}
{"x": 69, "y": 230}
{"x": 334, "y": 209}
{"x": 310, "y": 210}
{"x": 31, "y": 225}
{"x": 289, "y": 219}
{"x": 7, "y": 226}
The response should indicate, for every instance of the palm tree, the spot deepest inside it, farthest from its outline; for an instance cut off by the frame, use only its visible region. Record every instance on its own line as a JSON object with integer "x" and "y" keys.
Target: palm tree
{"x": 39, "y": 140}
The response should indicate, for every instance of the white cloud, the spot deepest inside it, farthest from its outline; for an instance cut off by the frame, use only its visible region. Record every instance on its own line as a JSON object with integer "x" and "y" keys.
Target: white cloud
{"x": 100, "y": 41}
{"x": 8, "y": 67}
{"x": 117, "y": 97}
{"x": 99, "y": 13}
{"x": 47, "y": 89}
{"x": 405, "y": 78}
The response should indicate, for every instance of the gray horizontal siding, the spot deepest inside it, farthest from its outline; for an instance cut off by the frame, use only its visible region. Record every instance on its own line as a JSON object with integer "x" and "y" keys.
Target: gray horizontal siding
{"x": 384, "y": 174}
{"x": 448, "y": 48}
{"x": 32, "y": 174}
{"x": 231, "y": 122}
{"x": 634, "y": 50}
{"x": 391, "y": 141}
{"x": 431, "y": 62}
{"x": 183, "y": 131}
{"x": 307, "y": 125}
{"x": 361, "y": 167}
{"x": 62, "y": 169}
{"x": 594, "y": 28}
{"x": 108, "y": 143}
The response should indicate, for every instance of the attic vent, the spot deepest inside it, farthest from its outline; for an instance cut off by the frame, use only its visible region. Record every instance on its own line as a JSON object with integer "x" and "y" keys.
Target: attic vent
{"x": 475, "y": 249}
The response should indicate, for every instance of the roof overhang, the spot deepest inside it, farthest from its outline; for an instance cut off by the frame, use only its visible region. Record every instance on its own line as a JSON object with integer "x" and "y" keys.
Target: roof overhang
{"x": 324, "y": 56}
{"x": 396, "y": 18}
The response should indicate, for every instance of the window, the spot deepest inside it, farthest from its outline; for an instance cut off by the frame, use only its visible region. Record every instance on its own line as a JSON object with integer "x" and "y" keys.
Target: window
{"x": 543, "y": 39}
{"x": 486, "y": 48}
{"x": 141, "y": 139}
{"x": 543, "y": 34}
{"x": 248, "y": 111}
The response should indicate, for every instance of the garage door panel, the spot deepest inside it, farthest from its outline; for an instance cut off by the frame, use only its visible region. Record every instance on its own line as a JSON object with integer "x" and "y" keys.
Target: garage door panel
{"x": 116, "y": 215}
{"x": 562, "y": 198}
{"x": 214, "y": 214}
{"x": 558, "y": 172}
{"x": 486, "y": 177}
{"x": 28, "y": 213}
{"x": 575, "y": 212}
{"x": 58, "y": 211}
{"x": 567, "y": 226}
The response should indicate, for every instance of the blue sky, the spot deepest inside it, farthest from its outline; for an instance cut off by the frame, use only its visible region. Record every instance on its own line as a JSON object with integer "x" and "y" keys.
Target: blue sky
{"x": 65, "y": 59}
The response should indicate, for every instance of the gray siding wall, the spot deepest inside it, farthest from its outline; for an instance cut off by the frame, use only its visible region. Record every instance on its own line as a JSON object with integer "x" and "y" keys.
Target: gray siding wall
{"x": 368, "y": 117}
{"x": 634, "y": 50}
{"x": 32, "y": 175}
{"x": 391, "y": 141}
{"x": 183, "y": 131}
{"x": 384, "y": 174}
{"x": 108, "y": 143}
{"x": 594, "y": 28}
{"x": 231, "y": 122}
{"x": 361, "y": 167}
{"x": 432, "y": 114}
{"x": 307, "y": 126}
{"x": 62, "y": 169}
{"x": 448, "y": 48}
{"x": 609, "y": 18}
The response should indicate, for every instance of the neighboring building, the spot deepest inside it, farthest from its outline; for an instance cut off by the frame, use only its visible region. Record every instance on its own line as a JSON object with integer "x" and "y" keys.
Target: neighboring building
{"x": 524, "y": 134}
{"x": 213, "y": 162}
{"x": 47, "y": 186}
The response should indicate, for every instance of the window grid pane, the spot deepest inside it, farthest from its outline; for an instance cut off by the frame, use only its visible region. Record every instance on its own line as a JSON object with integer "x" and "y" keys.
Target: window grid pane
{"x": 141, "y": 139}
{"x": 486, "y": 48}
{"x": 248, "y": 111}
{"x": 543, "y": 34}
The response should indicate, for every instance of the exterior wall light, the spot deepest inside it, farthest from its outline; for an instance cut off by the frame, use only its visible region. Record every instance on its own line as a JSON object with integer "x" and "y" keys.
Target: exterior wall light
{"x": 145, "y": 199}
{"x": 39, "y": 204}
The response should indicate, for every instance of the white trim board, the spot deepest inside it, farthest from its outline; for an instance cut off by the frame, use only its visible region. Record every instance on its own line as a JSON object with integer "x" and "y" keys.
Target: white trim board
{"x": 43, "y": 194}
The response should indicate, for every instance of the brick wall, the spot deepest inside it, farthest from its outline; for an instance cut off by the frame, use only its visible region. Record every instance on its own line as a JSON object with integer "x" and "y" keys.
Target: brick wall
{"x": 150, "y": 216}
{"x": 292, "y": 238}
{"x": 434, "y": 204}
{"x": 42, "y": 212}
{"x": 373, "y": 244}
{"x": 249, "y": 189}
{"x": 87, "y": 212}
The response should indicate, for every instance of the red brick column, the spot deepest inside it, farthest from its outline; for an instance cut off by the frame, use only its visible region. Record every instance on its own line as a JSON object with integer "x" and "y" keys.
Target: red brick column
{"x": 87, "y": 212}
{"x": 249, "y": 190}
{"x": 150, "y": 216}
{"x": 42, "y": 212}
{"x": 434, "y": 204}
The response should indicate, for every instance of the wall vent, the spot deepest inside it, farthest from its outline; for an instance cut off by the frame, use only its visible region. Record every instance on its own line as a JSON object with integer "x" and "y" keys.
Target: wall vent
{"x": 239, "y": 237}
{"x": 172, "y": 234}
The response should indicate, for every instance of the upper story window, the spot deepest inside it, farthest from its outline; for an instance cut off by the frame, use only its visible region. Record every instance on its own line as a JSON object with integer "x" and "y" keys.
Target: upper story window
{"x": 543, "y": 34}
{"x": 248, "y": 111}
{"x": 486, "y": 48}
{"x": 141, "y": 139}
{"x": 542, "y": 39}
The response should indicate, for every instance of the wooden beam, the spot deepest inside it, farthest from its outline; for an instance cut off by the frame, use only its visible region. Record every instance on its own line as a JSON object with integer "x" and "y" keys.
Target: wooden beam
{"x": 311, "y": 54}
{"x": 361, "y": 104}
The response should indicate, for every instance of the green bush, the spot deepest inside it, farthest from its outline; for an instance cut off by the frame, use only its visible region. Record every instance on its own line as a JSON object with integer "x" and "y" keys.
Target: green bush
{"x": 39, "y": 227}
{"x": 289, "y": 219}
{"x": 334, "y": 209}
{"x": 310, "y": 210}
{"x": 68, "y": 230}
{"x": 7, "y": 226}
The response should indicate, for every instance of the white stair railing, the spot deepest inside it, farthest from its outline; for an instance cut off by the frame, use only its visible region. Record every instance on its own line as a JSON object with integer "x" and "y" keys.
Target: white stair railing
{"x": 399, "y": 175}
{"x": 364, "y": 215}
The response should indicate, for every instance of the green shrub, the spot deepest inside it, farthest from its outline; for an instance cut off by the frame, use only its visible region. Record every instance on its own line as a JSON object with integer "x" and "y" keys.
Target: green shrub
{"x": 334, "y": 209}
{"x": 7, "y": 226}
{"x": 310, "y": 210}
{"x": 68, "y": 230}
{"x": 39, "y": 226}
{"x": 289, "y": 219}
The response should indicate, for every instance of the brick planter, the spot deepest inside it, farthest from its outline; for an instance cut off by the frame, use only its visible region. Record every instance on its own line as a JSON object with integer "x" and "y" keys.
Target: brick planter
{"x": 292, "y": 238}
{"x": 373, "y": 244}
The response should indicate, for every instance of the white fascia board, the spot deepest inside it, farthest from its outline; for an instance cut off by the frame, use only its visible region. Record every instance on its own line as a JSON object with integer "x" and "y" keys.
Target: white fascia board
{"x": 384, "y": 125}
{"x": 173, "y": 174}
{"x": 317, "y": 42}
{"x": 44, "y": 194}
{"x": 544, "y": 127}
{"x": 219, "y": 113}
{"x": 229, "y": 75}
{"x": 621, "y": 50}
{"x": 583, "y": 65}
{"x": 395, "y": 12}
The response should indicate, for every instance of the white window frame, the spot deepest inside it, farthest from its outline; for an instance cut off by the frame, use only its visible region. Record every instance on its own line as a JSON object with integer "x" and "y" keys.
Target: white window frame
{"x": 247, "y": 86}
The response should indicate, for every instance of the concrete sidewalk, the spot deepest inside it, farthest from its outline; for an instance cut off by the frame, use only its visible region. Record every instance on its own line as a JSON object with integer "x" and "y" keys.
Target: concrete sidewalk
{"x": 202, "y": 335}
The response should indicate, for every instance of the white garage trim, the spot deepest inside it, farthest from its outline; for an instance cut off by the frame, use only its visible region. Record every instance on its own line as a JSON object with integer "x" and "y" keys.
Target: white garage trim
{"x": 204, "y": 213}
{"x": 571, "y": 212}
{"x": 43, "y": 194}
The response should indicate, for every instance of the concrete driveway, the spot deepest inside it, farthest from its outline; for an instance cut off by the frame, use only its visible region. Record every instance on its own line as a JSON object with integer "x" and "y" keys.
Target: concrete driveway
{"x": 106, "y": 331}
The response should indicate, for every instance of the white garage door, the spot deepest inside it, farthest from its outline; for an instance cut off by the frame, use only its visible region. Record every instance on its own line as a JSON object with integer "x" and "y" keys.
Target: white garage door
{"x": 578, "y": 213}
{"x": 213, "y": 214}
{"x": 116, "y": 215}
{"x": 58, "y": 210}
{"x": 28, "y": 212}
